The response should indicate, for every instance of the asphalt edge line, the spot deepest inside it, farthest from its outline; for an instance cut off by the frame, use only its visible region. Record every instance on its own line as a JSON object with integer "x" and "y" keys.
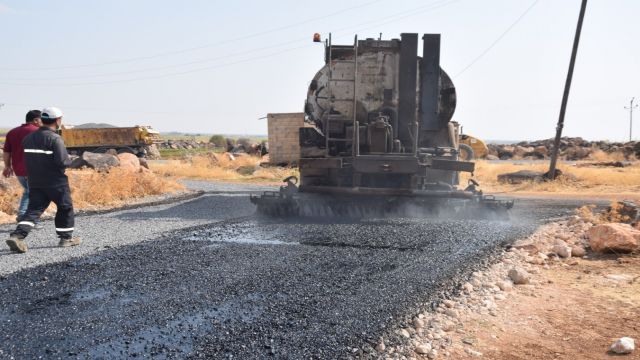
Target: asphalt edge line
{"x": 170, "y": 200}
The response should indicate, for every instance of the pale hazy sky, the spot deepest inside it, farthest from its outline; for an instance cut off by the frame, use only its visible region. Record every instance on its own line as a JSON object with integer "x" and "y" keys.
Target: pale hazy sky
{"x": 218, "y": 66}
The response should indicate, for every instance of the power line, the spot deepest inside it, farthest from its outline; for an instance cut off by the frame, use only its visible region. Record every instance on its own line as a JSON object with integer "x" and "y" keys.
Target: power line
{"x": 181, "y": 51}
{"x": 161, "y": 67}
{"x": 395, "y": 17}
{"x": 163, "y": 75}
{"x": 414, "y": 12}
{"x": 407, "y": 13}
{"x": 483, "y": 53}
{"x": 109, "y": 109}
{"x": 102, "y": 109}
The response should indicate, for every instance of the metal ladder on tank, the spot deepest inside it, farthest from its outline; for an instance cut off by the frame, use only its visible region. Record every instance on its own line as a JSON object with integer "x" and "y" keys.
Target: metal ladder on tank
{"x": 355, "y": 150}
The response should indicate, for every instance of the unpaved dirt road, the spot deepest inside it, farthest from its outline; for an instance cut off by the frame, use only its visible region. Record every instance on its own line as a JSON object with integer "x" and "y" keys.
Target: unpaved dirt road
{"x": 206, "y": 278}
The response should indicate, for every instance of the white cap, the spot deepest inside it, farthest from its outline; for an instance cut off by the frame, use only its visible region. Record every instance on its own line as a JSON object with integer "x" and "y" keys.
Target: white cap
{"x": 51, "y": 113}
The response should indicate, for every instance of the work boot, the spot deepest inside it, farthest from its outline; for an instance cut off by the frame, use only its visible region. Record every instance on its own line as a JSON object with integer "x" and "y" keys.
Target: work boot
{"x": 17, "y": 244}
{"x": 69, "y": 242}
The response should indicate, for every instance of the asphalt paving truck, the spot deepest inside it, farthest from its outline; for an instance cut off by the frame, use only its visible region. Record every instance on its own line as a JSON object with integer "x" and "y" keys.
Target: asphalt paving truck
{"x": 382, "y": 140}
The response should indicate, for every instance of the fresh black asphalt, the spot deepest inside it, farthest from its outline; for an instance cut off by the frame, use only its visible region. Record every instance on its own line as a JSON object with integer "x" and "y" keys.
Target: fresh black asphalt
{"x": 206, "y": 278}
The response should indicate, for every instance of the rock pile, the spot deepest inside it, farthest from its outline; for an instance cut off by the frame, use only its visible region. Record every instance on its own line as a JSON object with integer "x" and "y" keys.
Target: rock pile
{"x": 570, "y": 149}
{"x": 432, "y": 334}
{"x": 435, "y": 334}
{"x": 231, "y": 146}
{"x": 185, "y": 145}
{"x": 104, "y": 162}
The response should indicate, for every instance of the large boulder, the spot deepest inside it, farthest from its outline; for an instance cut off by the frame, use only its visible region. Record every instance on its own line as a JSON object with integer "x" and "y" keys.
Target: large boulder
{"x": 129, "y": 162}
{"x": 99, "y": 162}
{"x": 614, "y": 237}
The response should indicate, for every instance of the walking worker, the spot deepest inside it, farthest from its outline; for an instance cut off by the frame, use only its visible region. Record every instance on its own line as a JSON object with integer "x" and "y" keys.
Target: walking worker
{"x": 46, "y": 159}
{"x": 13, "y": 156}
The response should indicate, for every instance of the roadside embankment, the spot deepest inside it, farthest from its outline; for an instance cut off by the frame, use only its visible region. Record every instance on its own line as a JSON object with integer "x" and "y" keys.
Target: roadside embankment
{"x": 571, "y": 290}
{"x": 95, "y": 190}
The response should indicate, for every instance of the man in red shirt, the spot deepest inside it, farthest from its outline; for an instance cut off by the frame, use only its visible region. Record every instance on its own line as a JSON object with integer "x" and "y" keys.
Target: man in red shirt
{"x": 13, "y": 156}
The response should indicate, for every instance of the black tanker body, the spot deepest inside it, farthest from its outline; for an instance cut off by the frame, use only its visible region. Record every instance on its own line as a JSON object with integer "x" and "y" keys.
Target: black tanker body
{"x": 382, "y": 140}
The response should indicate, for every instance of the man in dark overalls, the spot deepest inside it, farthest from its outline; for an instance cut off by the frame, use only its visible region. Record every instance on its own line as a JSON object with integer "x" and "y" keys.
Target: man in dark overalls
{"x": 46, "y": 158}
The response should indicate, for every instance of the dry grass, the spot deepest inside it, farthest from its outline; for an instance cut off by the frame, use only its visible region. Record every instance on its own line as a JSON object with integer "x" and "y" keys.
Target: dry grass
{"x": 222, "y": 167}
{"x": 117, "y": 187}
{"x": 90, "y": 189}
{"x": 577, "y": 180}
{"x": 599, "y": 155}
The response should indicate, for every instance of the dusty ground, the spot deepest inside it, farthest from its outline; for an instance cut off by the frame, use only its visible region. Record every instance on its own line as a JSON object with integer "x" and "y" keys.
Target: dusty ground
{"x": 572, "y": 308}
{"x": 576, "y": 311}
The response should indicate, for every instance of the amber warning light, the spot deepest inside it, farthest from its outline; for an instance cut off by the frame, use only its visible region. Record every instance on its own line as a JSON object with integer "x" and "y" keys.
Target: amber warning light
{"x": 316, "y": 37}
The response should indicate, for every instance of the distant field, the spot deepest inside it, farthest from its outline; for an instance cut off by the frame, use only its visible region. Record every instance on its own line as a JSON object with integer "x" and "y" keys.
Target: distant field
{"x": 181, "y": 153}
{"x": 174, "y": 136}
{"x": 206, "y": 137}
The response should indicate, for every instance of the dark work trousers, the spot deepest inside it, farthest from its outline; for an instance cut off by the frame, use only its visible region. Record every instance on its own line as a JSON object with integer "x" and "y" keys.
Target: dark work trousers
{"x": 39, "y": 200}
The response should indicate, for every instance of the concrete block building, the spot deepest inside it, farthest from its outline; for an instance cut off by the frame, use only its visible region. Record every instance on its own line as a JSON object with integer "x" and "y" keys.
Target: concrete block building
{"x": 284, "y": 146}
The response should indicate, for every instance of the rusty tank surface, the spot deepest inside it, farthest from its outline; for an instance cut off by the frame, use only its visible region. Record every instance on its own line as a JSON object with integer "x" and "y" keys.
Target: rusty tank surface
{"x": 138, "y": 140}
{"x": 382, "y": 139}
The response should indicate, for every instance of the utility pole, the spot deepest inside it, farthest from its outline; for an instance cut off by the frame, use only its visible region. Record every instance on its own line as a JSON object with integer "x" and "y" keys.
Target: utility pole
{"x": 565, "y": 96}
{"x": 631, "y": 107}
